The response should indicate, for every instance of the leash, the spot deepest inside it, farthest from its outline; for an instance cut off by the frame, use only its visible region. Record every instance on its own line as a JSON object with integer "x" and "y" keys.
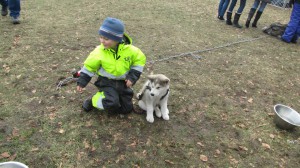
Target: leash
{"x": 194, "y": 53}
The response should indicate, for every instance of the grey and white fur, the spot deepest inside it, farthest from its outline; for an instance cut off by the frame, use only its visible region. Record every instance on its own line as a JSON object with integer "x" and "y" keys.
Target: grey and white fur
{"x": 154, "y": 97}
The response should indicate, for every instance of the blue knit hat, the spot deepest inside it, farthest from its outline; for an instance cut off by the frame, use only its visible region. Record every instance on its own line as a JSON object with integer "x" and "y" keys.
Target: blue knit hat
{"x": 112, "y": 28}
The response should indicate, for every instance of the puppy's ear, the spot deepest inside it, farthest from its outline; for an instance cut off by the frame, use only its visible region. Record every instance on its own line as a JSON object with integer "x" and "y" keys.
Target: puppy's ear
{"x": 165, "y": 81}
{"x": 151, "y": 77}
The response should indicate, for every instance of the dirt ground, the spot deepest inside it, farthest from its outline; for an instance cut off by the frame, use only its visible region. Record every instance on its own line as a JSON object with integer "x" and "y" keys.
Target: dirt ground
{"x": 221, "y": 102}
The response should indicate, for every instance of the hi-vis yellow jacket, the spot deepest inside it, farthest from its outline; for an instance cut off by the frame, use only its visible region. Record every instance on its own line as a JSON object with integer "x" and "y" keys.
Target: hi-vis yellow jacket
{"x": 127, "y": 62}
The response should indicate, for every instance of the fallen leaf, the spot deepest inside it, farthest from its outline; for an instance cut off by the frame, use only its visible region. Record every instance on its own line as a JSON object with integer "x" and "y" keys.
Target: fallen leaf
{"x": 243, "y": 148}
{"x": 33, "y": 91}
{"x": 233, "y": 160}
{"x": 267, "y": 146}
{"x": 61, "y": 131}
{"x": 15, "y": 132}
{"x": 86, "y": 144}
{"x": 168, "y": 161}
{"x": 199, "y": 143}
{"x": 5, "y": 155}
{"x": 34, "y": 149}
{"x": 272, "y": 136}
{"x": 250, "y": 100}
{"x": 218, "y": 151}
{"x": 203, "y": 158}
{"x": 13, "y": 157}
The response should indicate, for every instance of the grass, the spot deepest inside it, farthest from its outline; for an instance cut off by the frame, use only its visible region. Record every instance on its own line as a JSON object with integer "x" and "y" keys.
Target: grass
{"x": 220, "y": 105}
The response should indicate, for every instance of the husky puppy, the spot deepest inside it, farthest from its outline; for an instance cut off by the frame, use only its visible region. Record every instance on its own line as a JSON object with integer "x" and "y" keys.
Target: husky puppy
{"x": 154, "y": 97}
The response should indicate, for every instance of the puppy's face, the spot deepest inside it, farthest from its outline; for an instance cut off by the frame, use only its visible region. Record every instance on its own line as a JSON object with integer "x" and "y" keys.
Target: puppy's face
{"x": 159, "y": 84}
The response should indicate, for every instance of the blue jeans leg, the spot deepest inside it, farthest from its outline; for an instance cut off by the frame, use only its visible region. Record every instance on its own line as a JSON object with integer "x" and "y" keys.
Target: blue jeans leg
{"x": 224, "y": 8}
{"x": 262, "y": 6}
{"x": 14, "y": 7}
{"x": 255, "y": 4}
{"x": 232, "y": 5}
{"x": 220, "y": 6}
{"x": 293, "y": 26}
{"x": 242, "y": 6}
{"x": 3, "y": 3}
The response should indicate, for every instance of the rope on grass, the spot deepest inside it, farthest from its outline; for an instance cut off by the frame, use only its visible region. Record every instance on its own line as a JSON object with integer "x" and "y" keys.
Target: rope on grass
{"x": 194, "y": 53}
{"x": 65, "y": 82}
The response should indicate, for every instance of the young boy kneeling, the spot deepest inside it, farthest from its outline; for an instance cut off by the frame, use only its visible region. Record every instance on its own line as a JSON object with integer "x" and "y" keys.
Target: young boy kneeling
{"x": 118, "y": 65}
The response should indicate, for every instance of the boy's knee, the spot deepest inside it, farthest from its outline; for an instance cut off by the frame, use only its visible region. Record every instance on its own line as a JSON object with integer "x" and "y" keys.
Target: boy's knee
{"x": 111, "y": 104}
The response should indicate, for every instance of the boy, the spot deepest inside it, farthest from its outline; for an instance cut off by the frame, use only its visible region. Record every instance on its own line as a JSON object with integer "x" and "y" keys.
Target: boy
{"x": 118, "y": 65}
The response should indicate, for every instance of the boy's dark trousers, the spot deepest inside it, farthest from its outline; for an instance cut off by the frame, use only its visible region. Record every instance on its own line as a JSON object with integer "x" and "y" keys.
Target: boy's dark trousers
{"x": 118, "y": 97}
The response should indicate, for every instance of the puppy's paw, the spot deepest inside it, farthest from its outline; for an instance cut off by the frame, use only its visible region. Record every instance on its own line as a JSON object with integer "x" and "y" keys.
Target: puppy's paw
{"x": 150, "y": 119}
{"x": 158, "y": 113}
{"x": 166, "y": 117}
{"x": 138, "y": 96}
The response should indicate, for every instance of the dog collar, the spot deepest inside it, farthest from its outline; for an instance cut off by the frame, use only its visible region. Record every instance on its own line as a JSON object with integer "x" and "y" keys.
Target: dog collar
{"x": 165, "y": 95}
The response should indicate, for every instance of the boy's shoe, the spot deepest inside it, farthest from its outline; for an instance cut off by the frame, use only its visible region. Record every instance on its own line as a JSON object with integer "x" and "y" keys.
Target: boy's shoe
{"x": 15, "y": 20}
{"x": 4, "y": 11}
{"x": 87, "y": 104}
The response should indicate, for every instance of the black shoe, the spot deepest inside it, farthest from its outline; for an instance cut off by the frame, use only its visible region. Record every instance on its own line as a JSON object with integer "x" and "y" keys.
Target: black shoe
{"x": 221, "y": 18}
{"x": 257, "y": 16}
{"x": 247, "y": 23}
{"x": 250, "y": 15}
{"x": 236, "y": 20}
{"x": 4, "y": 11}
{"x": 228, "y": 19}
{"x": 87, "y": 105}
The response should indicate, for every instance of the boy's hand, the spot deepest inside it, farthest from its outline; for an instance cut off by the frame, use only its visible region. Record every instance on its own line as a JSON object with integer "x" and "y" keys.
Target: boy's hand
{"x": 128, "y": 83}
{"x": 79, "y": 89}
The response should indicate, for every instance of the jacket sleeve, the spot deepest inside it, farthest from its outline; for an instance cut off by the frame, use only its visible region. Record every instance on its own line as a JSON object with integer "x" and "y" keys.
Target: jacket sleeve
{"x": 91, "y": 66}
{"x": 136, "y": 69}
{"x": 83, "y": 79}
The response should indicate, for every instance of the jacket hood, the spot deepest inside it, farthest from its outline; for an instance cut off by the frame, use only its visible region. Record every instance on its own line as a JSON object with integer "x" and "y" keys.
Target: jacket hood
{"x": 126, "y": 39}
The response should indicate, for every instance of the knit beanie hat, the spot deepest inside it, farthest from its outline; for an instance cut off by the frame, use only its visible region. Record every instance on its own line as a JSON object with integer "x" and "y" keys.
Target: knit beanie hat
{"x": 112, "y": 28}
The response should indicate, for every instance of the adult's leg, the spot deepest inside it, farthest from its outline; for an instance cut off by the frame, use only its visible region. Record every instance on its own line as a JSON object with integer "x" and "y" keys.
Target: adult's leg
{"x": 297, "y": 35}
{"x": 259, "y": 13}
{"x": 262, "y": 6}
{"x": 229, "y": 12}
{"x": 14, "y": 7}
{"x": 3, "y": 3}
{"x": 252, "y": 12}
{"x": 242, "y": 6}
{"x": 238, "y": 14}
{"x": 220, "y": 6}
{"x": 4, "y": 7}
{"x": 224, "y": 8}
{"x": 232, "y": 5}
{"x": 292, "y": 27}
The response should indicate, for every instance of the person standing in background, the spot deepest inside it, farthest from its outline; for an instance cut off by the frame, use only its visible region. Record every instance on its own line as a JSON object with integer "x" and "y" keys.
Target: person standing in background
{"x": 292, "y": 31}
{"x": 237, "y": 14}
{"x": 263, "y": 4}
{"x": 14, "y": 7}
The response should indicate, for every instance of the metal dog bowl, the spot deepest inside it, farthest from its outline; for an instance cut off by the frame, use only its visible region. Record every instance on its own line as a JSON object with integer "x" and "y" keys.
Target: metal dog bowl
{"x": 286, "y": 117}
{"x": 12, "y": 164}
